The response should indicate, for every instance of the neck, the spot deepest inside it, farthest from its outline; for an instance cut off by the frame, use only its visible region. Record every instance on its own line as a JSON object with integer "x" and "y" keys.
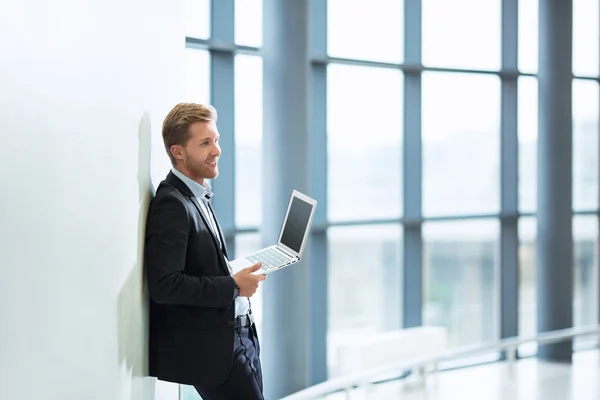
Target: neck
{"x": 189, "y": 174}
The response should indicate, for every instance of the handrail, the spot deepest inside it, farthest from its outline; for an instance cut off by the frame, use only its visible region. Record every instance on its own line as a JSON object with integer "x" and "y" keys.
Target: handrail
{"x": 366, "y": 377}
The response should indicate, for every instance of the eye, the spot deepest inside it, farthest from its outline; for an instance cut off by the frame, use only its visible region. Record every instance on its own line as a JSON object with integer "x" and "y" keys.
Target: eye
{"x": 205, "y": 143}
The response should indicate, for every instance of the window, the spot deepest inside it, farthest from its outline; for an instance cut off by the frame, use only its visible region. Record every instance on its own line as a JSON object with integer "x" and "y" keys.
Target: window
{"x": 585, "y": 144}
{"x": 374, "y": 35}
{"x": 461, "y": 143}
{"x": 189, "y": 393}
{"x": 585, "y": 303}
{"x": 461, "y": 33}
{"x": 528, "y": 132}
{"x": 248, "y": 22}
{"x": 197, "y": 18}
{"x": 364, "y": 142}
{"x": 585, "y": 37}
{"x": 585, "y": 251}
{"x": 528, "y": 36}
{"x": 459, "y": 279}
{"x": 248, "y": 140}
{"x": 527, "y": 284}
{"x": 364, "y": 284}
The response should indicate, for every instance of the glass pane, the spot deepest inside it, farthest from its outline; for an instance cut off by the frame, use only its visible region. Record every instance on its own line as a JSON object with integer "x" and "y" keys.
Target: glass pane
{"x": 585, "y": 308}
{"x": 364, "y": 260}
{"x": 585, "y": 144}
{"x": 364, "y": 142}
{"x": 248, "y": 22}
{"x": 197, "y": 18}
{"x": 528, "y": 36}
{"x": 374, "y": 35}
{"x": 189, "y": 393}
{"x": 248, "y": 140}
{"x": 585, "y": 37}
{"x": 527, "y": 284}
{"x": 459, "y": 266}
{"x": 461, "y": 143}
{"x": 528, "y": 131}
{"x": 462, "y": 33}
{"x": 585, "y": 305}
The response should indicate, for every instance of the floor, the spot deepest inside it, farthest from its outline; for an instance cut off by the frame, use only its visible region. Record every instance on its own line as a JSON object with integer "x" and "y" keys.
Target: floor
{"x": 533, "y": 380}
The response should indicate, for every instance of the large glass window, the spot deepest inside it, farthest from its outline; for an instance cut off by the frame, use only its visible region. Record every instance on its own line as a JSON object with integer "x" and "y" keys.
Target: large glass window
{"x": 364, "y": 142}
{"x": 364, "y": 284}
{"x": 459, "y": 279}
{"x": 585, "y": 144}
{"x": 248, "y": 22}
{"x": 528, "y": 36}
{"x": 461, "y": 143}
{"x": 585, "y": 37}
{"x": 585, "y": 251}
{"x": 461, "y": 33}
{"x": 585, "y": 302}
{"x": 527, "y": 284}
{"x": 197, "y": 18}
{"x": 373, "y": 35}
{"x": 528, "y": 131}
{"x": 189, "y": 393}
{"x": 248, "y": 140}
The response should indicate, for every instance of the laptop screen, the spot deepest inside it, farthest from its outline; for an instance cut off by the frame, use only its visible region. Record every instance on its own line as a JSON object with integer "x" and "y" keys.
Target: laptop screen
{"x": 296, "y": 224}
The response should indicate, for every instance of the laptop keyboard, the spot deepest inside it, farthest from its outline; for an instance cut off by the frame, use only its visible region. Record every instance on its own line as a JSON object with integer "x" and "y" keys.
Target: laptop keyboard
{"x": 269, "y": 258}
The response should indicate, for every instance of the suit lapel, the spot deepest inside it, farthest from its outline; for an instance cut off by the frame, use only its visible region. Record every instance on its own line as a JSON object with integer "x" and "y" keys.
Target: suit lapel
{"x": 221, "y": 236}
{"x": 206, "y": 223}
{"x": 184, "y": 189}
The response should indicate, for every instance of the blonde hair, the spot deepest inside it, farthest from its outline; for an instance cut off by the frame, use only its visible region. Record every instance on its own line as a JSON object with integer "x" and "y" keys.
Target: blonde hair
{"x": 176, "y": 126}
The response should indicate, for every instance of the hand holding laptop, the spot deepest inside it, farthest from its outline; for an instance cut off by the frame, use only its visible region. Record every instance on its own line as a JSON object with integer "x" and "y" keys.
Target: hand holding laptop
{"x": 248, "y": 281}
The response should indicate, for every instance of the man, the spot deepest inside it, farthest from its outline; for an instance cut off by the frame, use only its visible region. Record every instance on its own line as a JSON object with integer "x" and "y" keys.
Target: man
{"x": 201, "y": 328}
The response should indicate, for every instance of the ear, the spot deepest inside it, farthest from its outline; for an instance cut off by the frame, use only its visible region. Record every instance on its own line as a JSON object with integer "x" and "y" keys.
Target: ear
{"x": 178, "y": 152}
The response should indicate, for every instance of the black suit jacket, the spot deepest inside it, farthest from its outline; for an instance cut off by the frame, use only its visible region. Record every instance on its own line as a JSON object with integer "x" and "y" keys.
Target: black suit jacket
{"x": 191, "y": 291}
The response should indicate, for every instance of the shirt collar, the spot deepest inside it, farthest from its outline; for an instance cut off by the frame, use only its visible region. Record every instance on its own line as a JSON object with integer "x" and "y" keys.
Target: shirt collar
{"x": 200, "y": 191}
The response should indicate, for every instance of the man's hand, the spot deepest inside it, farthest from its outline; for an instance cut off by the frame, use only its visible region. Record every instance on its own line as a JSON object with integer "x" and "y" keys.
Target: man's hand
{"x": 247, "y": 281}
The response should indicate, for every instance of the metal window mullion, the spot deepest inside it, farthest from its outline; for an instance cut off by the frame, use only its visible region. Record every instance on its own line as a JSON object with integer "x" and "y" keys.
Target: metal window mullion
{"x": 318, "y": 257}
{"x": 412, "y": 241}
{"x": 597, "y": 213}
{"x": 222, "y": 91}
{"x": 554, "y": 249}
{"x": 508, "y": 270}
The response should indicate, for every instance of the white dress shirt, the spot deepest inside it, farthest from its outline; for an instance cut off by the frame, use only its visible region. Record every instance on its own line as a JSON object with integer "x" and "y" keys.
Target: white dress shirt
{"x": 203, "y": 193}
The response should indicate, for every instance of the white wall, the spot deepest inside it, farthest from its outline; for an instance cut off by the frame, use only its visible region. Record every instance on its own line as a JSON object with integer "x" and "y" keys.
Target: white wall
{"x": 84, "y": 86}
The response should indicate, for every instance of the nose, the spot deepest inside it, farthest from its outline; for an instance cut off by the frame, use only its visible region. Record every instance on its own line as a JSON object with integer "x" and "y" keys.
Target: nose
{"x": 216, "y": 150}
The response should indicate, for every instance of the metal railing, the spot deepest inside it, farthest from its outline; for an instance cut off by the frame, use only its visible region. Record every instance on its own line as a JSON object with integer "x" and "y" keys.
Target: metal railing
{"x": 430, "y": 363}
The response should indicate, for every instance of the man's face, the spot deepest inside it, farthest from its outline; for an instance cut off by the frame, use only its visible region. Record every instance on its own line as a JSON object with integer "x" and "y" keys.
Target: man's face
{"x": 201, "y": 153}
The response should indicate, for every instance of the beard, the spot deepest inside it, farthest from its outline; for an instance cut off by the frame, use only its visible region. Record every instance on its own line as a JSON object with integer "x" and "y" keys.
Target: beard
{"x": 198, "y": 169}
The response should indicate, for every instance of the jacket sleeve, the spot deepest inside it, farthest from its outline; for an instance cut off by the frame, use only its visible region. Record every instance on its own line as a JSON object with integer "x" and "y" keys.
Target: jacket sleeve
{"x": 167, "y": 231}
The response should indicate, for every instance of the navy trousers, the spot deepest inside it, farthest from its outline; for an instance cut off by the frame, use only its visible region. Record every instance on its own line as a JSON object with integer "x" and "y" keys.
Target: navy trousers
{"x": 245, "y": 378}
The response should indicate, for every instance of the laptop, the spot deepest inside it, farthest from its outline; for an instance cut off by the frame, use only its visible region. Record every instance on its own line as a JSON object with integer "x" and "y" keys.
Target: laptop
{"x": 292, "y": 238}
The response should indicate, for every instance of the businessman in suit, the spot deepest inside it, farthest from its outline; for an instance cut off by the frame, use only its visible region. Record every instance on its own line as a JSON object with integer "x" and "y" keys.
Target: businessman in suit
{"x": 202, "y": 332}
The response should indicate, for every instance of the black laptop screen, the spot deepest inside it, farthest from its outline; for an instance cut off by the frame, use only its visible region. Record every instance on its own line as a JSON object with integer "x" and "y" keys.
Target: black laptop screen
{"x": 296, "y": 224}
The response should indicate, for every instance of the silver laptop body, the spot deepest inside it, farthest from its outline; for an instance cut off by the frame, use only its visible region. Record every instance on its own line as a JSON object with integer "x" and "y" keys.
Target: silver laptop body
{"x": 292, "y": 238}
